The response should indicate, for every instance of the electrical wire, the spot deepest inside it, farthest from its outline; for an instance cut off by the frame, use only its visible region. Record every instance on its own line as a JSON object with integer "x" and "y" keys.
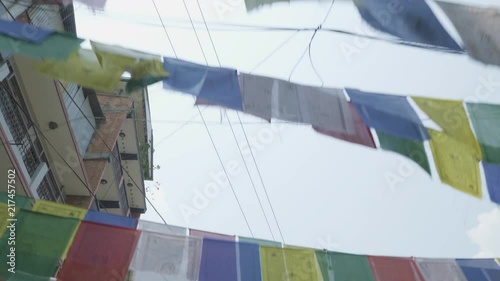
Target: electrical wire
{"x": 210, "y": 135}
{"x": 164, "y": 28}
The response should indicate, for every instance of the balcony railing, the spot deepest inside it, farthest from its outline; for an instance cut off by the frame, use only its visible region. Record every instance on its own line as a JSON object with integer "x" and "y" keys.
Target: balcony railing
{"x": 123, "y": 200}
{"x": 18, "y": 126}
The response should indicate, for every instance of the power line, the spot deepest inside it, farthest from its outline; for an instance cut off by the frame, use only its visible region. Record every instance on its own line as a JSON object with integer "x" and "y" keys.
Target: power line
{"x": 164, "y": 28}
{"x": 241, "y": 153}
{"x": 210, "y": 135}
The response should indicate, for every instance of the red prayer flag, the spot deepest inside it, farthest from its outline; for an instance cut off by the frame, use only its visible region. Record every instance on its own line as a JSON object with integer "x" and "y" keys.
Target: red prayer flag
{"x": 363, "y": 135}
{"x": 99, "y": 253}
{"x": 394, "y": 269}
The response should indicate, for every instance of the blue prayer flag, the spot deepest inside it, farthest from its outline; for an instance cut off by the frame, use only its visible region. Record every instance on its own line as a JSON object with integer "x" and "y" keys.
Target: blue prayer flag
{"x": 214, "y": 84}
{"x": 410, "y": 20}
{"x": 249, "y": 258}
{"x": 111, "y": 219}
{"x": 218, "y": 260}
{"x": 479, "y": 269}
{"x": 492, "y": 175}
{"x": 389, "y": 114}
{"x": 26, "y": 32}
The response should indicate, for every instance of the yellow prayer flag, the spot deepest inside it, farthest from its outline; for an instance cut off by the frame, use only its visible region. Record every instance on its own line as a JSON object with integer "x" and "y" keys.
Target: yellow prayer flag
{"x": 116, "y": 56}
{"x": 148, "y": 68}
{"x": 297, "y": 264}
{"x": 4, "y": 216}
{"x": 84, "y": 69}
{"x": 450, "y": 115}
{"x": 456, "y": 163}
{"x": 59, "y": 210}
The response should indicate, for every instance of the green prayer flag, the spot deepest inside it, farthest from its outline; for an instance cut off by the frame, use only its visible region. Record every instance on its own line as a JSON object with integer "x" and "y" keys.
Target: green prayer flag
{"x": 57, "y": 46}
{"x": 260, "y": 242}
{"x": 486, "y": 123}
{"x": 137, "y": 84}
{"x": 344, "y": 267}
{"x": 412, "y": 149}
{"x": 40, "y": 242}
{"x": 22, "y": 202}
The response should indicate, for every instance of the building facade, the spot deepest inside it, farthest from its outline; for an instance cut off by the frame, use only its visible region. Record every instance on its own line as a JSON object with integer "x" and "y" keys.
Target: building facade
{"x": 67, "y": 143}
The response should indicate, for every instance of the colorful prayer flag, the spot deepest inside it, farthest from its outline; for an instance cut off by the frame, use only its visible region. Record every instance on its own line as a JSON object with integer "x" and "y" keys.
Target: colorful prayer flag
{"x": 273, "y": 263}
{"x": 411, "y": 149}
{"x": 218, "y": 260}
{"x": 485, "y": 121}
{"x": 409, "y": 20}
{"x": 478, "y": 27}
{"x": 439, "y": 269}
{"x": 111, "y": 219}
{"x": 450, "y": 115}
{"x": 480, "y": 269}
{"x": 389, "y": 114}
{"x": 118, "y": 57}
{"x": 394, "y": 269}
{"x": 167, "y": 257}
{"x": 249, "y": 261}
{"x": 41, "y": 240}
{"x": 344, "y": 267}
{"x": 145, "y": 73}
{"x": 362, "y": 136}
{"x": 99, "y": 253}
{"x": 82, "y": 68}
{"x": 215, "y": 84}
{"x": 25, "y": 32}
{"x": 4, "y": 216}
{"x": 302, "y": 265}
{"x": 456, "y": 163}
{"x": 492, "y": 175}
{"x": 57, "y": 46}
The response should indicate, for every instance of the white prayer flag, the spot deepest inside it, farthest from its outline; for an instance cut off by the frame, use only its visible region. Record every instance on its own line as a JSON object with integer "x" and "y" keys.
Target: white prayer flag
{"x": 440, "y": 269}
{"x": 167, "y": 257}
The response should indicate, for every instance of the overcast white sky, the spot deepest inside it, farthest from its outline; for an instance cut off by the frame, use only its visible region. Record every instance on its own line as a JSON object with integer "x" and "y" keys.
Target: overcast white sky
{"x": 326, "y": 193}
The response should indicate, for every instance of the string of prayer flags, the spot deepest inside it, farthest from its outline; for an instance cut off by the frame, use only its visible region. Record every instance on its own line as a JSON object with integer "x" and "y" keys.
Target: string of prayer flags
{"x": 411, "y": 149}
{"x": 394, "y": 269}
{"x": 478, "y": 28}
{"x": 214, "y": 84}
{"x": 456, "y": 163}
{"x": 492, "y": 175}
{"x": 41, "y": 240}
{"x": 56, "y": 46}
{"x": 166, "y": 257}
{"x": 450, "y": 115}
{"x": 84, "y": 69}
{"x": 256, "y": 92}
{"x": 161, "y": 228}
{"x": 439, "y": 269}
{"x": 363, "y": 136}
{"x": 389, "y": 114}
{"x": 485, "y": 119}
{"x": 249, "y": 261}
{"x": 111, "y": 219}
{"x": 301, "y": 265}
{"x": 340, "y": 266}
{"x": 25, "y": 32}
{"x": 479, "y": 269}
{"x": 412, "y": 21}
{"x": 99, "y": 253}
